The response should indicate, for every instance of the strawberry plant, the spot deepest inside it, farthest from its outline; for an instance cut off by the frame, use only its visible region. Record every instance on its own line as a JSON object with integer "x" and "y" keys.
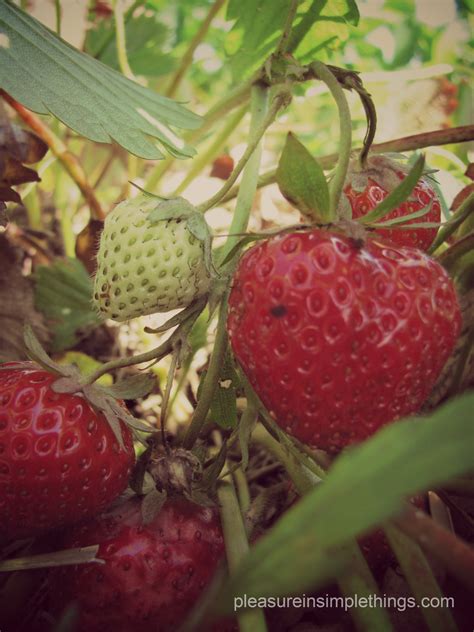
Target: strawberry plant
{"x": 243, "y": 340}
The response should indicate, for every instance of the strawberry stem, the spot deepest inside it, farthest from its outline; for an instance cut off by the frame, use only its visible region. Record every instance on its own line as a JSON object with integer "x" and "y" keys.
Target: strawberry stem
{"x": 237, "y": 546}
{"x": 261, "y": 119}
{"x": 345, "y": 134}
{"x": 210, "y": 381}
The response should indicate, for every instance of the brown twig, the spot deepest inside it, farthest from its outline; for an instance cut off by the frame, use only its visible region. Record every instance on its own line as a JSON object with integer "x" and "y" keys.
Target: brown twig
{"x": 455, "y": 555}
{"x": 59, "y": 149}
{"x": 460, "y": 134}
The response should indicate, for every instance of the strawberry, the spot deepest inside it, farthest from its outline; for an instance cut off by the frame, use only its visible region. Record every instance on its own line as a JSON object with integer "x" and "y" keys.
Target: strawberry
{"x": 145, "y": 267}
{"x": 153, "y": 572}
{"x": 365, "y": 188}
{"x": 338, "y": 339}
{"x": 59, "y": 458}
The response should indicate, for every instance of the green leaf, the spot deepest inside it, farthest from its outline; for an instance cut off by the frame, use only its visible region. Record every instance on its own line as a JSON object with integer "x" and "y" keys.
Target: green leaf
{"x": 364, "y": 487}
{"x": 224, "y": 403}
{"x": 399, "y": 195}
{"x": 302, "y": 180}
{"x": 63, "y": 293}
{"x": 49, "y": 76}
{"x": 255, "y": 32}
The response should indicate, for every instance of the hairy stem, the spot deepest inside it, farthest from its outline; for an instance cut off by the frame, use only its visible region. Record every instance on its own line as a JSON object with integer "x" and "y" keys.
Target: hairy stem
{"x": 203, "y": 159}
{"x": 58, "y": 12}
{"x": 120, "y": 40}
{"x": 187, "y": 58}
{"x": 59, "y": 149}
{"x": 345, "y": 135}
{"x": 233, "y": 99}
{"x": 260, "y": 121}
{"x": 462, "y": 134}
{"x": 237, "y": 546}
{"x": 285, "y": 37}
{"x": 210, "y": 381}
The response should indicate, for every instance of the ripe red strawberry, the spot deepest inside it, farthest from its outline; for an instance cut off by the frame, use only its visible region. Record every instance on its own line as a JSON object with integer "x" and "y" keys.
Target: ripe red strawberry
{"x": 153, "y": 573}
{"x": 365, "y": 189}
{"x": 338, "y": 339}
{"x": 59, "y": 459}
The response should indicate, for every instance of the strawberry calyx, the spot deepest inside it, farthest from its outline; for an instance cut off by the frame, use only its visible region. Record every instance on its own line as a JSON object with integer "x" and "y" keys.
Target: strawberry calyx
{"x": 105, "y": 399}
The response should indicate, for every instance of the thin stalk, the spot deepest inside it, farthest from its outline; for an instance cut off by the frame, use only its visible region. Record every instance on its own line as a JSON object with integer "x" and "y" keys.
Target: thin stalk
{"x": 59, "y": 149}
{"x": 120, "y": 40}
{"x": 187, "y": 58}
{"x": 285, "y": 37}
{"x": 111, "y": 33}
{"x": 33, "y": 209}
{"x": 237, "y": 546}
{"x": 307, "y": 21}
{"x": 233, "y": 99}
{"x": 345, "y": 135}
{"x": 204, "y": 158}
{"x": 242, "y": 489}
{"x": 210, "y": 381}
{"x": 166, "y": 394}
{"x": 260, "y": 120}
{"x": 462, "y": 134}
{"x": 421, "y": 580}
{"x": 462, "y": 213}
{"x": 58, "y": 11}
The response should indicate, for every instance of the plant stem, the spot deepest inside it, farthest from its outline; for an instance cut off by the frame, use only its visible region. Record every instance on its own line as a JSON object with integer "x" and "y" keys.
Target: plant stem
{"x": 233, "y": 99}
{"x": 456, "y": 556}
{"x": 59, "y": 149}
{"x": 420, "y": 578}
{"x": 237, "y": 546}
{"x": 33, "y": 209}
{"x": 261, "y": 117}
{"x": 260, "y": 120}
{"x": 285, "y": 37}
{"x": 242, "y": 489}
{"x": 345, "y": 135}
{"x": 120, "y": 40}
{"x": 58, "y": 11}
{"x": 210, "y": 381}
{"x": 461, "y": 134}
{"x": 166, "y": 394}
{"x": 307, "y": 21}
{"x": 187, "y": 58}
{"x": 462, "y": 213}
{"x": 204, "y": 158}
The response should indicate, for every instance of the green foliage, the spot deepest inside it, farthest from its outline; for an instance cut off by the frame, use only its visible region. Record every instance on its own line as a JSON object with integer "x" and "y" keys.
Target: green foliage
{"x": 63, "y": 293}
{"x": 48, "y": 76}
{"x": 302, "y": 180}
{"x": 365, "y": 486}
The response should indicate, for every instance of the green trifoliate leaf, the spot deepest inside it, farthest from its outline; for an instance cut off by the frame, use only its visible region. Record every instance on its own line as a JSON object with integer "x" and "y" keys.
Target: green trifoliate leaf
{"x": 399, "y": 195}
{"x": 302, "y": 180}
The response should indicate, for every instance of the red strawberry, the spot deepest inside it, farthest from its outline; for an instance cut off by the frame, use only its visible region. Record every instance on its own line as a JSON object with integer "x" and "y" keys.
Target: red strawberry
{"x": 337, "y": 339}
{"x": 59, "y": 459}
{"x": 153, "y": 573}
{"x": 365, "y": 189}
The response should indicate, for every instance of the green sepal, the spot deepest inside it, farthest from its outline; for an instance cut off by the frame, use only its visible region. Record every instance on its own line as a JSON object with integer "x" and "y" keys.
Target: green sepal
{"x": 174, "y": 208}
{"x": 132, "y": 387}
{"x": 398, "y": 196}
{"x": 302, "y": 181}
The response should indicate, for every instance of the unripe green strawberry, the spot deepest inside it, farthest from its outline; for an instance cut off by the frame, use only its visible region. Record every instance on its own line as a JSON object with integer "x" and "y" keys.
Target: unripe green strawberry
{"x": 145, "y": 267}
